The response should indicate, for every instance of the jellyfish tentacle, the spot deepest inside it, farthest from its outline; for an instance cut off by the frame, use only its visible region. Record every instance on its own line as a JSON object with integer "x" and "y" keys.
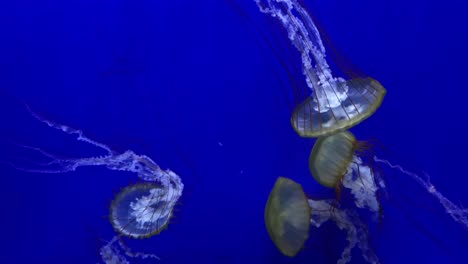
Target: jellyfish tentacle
{"x": 132, "y": 254}
{"x": 363, "y": 187}
{"x": 111, "y": 254}
{"x": 458, "y": 213}
{"x": 69, "y": 130}
{"x": 356, "y": 233}
{"x": 114, "y": 252}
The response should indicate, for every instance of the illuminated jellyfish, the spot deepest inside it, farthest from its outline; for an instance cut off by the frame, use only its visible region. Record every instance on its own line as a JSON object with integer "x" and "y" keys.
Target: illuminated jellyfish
{"x": 289, "y": 215}
{"x": 140, "y": 210}
{"x": 331, "y": 103}
{"x": 335, "y": 162}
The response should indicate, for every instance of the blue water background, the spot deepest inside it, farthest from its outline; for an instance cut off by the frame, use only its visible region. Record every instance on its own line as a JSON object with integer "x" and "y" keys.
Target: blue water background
{"x": 190, "y": 84}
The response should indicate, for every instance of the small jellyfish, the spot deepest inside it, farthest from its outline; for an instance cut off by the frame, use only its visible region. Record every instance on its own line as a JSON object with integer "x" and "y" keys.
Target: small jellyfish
{"x": 340, "y": 160}
{"x": 335, "y": 162}
{"x": 330, "y": 158}
{"x": 141, "y": 210}
{"x": 331, "y": 103}
{"x": 289, "y": 215}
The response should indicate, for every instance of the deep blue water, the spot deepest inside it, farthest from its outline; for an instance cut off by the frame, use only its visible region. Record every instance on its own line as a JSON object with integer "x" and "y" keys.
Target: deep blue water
{"x": 173, "y": 79}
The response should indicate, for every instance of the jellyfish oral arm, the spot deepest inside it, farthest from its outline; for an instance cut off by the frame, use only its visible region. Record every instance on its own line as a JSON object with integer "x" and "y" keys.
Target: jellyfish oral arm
{"x": 305, "y": 36}
{"x": 361, "y": 181}
{"x": 143, "y": 166}
{"x": 325, "y": 210}
{"x": 114, "y": 250}
{"x": 333, "y": 104}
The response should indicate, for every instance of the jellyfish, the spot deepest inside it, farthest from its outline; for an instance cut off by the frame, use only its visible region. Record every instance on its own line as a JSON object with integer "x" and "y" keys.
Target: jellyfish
{"x": 332, "y": 103}
{"x": 140, "y": 210}
{"x": 336, "y": 161}
{"x": 289, "y": 214}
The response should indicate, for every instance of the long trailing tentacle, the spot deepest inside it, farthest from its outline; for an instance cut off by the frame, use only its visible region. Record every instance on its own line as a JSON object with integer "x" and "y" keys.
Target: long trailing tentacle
{"x": 458, "y": 213}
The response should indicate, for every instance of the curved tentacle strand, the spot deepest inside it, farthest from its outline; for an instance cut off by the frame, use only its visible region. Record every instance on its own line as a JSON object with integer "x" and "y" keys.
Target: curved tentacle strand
{"x": 356, "y": 233}
{"x": 459, "y": 214}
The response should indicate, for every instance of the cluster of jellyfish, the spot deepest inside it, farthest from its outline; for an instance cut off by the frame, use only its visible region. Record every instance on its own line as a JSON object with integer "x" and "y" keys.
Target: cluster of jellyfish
{"x": 338, "y": 160}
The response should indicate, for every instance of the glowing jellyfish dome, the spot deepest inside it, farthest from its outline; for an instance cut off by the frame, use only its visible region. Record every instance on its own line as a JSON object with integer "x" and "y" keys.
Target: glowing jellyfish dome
{"x": 141, "y": 210}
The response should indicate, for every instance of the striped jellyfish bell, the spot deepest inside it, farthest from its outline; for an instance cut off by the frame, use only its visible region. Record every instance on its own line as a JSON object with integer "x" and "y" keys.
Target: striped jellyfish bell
{"x": 336, "y": 106}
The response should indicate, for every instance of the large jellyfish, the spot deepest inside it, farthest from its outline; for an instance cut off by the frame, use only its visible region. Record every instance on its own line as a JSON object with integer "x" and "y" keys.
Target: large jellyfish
{"x": 140, "y": 210}
{"x": 332, "y": 103}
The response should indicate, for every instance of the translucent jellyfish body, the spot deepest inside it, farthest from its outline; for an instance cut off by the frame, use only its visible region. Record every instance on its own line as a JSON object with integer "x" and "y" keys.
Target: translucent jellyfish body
{"x": 287, "y": 216}
{"x": 330, "y": 158}
{"x": 138, "y": 211}
{"x": 334, "y": 163}
{"x": 141, "y": 210}
{"x": 333, "y": 104}
{"x": 325, "y": 112}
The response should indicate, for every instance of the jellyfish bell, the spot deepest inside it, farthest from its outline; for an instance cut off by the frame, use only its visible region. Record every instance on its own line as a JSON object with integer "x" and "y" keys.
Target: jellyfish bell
{"x": 340, "y": 160}
{"x": 336, "y": 106}
{"x": 330, "y": 158}
{"x": 141, "y": 210}
{"x": 287, "y": 216}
